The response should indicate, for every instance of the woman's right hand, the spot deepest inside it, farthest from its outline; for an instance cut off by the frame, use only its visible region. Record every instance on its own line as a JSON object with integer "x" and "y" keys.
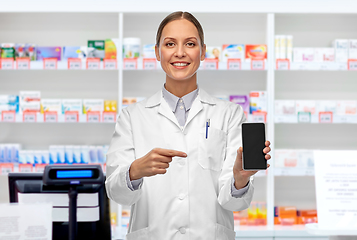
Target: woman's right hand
{"x": 153, "y": 163}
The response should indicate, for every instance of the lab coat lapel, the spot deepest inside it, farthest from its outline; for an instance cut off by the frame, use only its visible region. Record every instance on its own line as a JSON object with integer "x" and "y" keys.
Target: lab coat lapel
{"x": 195, "y": 109}
{"x": 197, "y": 105}
{"x": 165, "y": 110}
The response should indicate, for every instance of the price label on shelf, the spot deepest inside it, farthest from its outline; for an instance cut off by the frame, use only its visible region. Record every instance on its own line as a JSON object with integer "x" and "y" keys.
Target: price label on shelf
{"x": 342, "y": 66}
{"x": 352, "y": 64}
{"x": 29, "y": 117}
{"x": 93, "y": 63}
{"x": 304, "y": 117}
{"x": 234, "y": 64}
{"x": 149, "y": 63}
{"x": 109, "y": 117}
{"x": 23, "y": 63}
{"x": 50, "y": 63}
{"x": 257, "y": 64}
{"x": 93, "y": 117}
{"x": 130, "y": 63}
{"x": 324, "y": 67}
{"x": 74, "y": 63}
{"x": 282, "y": 64}
{"x": 7, "y": 63}
{"x": 25, "y": 168}
{"x": 8, "y": 116}
{"x": 6, "y": 168}
{"x": 71, "y": 116}
{"x": 110, "y": 64}
{"x": 40, "y": 168}
{"x": 325, "y": 117}
{"x": 259, "y": 116}
{"x": 211, "y": 64}
{"x": 50, "y": 117}
{"x": 310, "y": 172}
{"x": 302, "y": 66}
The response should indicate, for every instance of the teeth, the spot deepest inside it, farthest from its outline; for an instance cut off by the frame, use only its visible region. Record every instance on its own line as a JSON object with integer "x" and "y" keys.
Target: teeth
{"x": 180, "y": 64}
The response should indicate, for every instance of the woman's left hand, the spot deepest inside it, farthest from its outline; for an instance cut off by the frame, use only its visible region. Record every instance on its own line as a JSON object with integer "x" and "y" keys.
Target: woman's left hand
{"x": 241, "y": 176}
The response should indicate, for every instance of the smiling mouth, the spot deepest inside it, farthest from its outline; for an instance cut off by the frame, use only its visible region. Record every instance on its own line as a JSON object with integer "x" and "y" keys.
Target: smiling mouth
{"x": 180, "y": 64}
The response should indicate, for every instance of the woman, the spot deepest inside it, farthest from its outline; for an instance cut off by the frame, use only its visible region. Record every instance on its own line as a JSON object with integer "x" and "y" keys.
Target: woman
{"x": 174, "y": 157}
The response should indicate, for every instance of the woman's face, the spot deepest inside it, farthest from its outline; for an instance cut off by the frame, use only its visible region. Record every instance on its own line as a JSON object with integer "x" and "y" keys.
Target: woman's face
{"x": 180, "y": 50}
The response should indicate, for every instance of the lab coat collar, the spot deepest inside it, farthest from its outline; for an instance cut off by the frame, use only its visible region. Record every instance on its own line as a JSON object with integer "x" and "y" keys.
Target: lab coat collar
{"x": 157, "y": 98}
{"x": 164, "y": 108}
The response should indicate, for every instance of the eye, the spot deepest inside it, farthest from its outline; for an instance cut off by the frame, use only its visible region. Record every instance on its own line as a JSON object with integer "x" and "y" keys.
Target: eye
{"x": 170, "y": 44}
{"x": 191, "y": 44}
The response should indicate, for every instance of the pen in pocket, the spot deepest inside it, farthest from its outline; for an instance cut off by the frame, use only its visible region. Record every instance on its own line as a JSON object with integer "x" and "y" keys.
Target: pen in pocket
{"x": 207, "y": 125}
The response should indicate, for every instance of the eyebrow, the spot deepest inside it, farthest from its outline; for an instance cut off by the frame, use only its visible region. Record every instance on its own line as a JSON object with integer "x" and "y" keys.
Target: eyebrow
{"x": 171, "y": 38}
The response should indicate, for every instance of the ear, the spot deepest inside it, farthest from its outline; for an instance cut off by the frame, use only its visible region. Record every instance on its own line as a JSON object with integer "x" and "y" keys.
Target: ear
{"x": 203, "y": 53}
{"x": 157, "y": 53}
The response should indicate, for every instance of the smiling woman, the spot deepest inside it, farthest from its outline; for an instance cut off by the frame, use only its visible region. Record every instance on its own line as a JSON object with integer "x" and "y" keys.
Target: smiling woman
{"x": 180, "y": 48}
{"x": 175, "y": 158}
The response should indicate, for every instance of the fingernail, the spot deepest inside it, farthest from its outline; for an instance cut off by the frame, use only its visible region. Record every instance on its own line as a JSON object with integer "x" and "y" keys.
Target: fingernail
{"x": 184, "y": 155}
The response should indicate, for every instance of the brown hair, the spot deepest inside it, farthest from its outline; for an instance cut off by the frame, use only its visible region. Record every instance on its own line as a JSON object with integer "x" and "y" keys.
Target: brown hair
{"x": 176, "y": 16}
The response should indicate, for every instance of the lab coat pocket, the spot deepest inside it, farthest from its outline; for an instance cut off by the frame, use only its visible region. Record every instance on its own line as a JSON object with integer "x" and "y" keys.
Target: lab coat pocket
{"x": 224, "y": 233}
{"x": 211, "y": 148}
{"x": 142, "y": 234}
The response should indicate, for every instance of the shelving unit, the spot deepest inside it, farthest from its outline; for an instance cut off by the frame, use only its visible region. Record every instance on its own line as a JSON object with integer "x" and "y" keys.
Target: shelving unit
{"x": 73, "y": 23}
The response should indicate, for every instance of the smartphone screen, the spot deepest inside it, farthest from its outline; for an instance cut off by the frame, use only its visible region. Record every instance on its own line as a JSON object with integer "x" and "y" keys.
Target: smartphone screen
{"x": 253, "y": 139}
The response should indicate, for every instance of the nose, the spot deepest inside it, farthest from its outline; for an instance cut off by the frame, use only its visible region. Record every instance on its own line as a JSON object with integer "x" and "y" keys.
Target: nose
{"x": 180, "y": 51}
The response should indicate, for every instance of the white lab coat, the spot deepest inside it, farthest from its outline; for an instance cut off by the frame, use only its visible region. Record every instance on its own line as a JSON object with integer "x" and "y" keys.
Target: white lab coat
{"x": 193, "y": 199}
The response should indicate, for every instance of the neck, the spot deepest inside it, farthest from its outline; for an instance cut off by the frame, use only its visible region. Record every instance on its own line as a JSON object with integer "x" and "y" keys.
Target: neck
{"x": 181, "y": 88}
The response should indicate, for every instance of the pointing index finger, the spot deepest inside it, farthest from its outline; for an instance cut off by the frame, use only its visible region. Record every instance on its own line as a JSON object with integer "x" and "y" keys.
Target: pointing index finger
{"x": 172, "y": 153}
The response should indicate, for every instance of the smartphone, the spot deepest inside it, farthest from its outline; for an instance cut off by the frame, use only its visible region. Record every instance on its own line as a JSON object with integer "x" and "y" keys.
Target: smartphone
{"x": 253, "y": 139}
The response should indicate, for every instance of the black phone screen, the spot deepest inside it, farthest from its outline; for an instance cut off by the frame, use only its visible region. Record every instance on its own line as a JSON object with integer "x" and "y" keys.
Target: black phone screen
{"x": 253, "y": 139}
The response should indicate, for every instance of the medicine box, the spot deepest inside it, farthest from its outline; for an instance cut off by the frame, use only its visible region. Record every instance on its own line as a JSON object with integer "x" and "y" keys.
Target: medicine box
{"x": 286, "y": 158}
{"x": 352, "y": 49}
{"x": 111, "y": 47}
{"x": 74, "y": 52}
{"x": 213, "y": 52}
{"x": 93, "y": 105}
{"x": 324, "y": 55}
{"x": 258, "y": 101}
{"x": 149, "y": 51}
{"x": 303, "y": 54}
{"x": 284, "y": 107}
{"x": 9, "y": 103}
{"x": 51, "y": 105}
{"x": 255, "y": 52}
{"x": 241, "y": 100}
{"x": 306, "y": 106}
{"x": 49, "y": 52}
{"x": 7, "y": 50}
{"x": 110, "y": 106}
{"x": 96, "y": 49}
{"x": 326, "y": 106}
{"x": 346, "y": 107}
{"x": 233, "y": 51}
{"x": 341, "y": 50}
{"x": 30, "y": 101}
{"x": 72, "y": 105}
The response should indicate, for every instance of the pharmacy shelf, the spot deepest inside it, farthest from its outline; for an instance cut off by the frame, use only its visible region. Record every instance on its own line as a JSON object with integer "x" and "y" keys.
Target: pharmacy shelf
{"x": 61, "y": 118}
{"x": 315, "y": 66}
{"x": 127, "y": 65}
{"x": 295, "y": 231}
{"x": 292, "y": 231}
{"x": 313, "y": 228}
{"x": 292, "y": 171}
{"x": 253, "y": 231}
{"x": 82, "y": 118}
{"x": 336, "y": 119}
